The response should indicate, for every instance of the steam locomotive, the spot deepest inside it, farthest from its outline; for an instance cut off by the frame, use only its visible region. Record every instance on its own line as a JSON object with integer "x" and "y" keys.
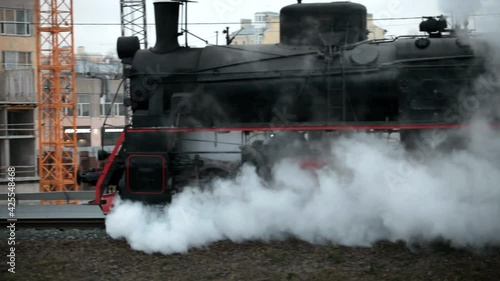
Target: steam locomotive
{"x": 200, "y": 113}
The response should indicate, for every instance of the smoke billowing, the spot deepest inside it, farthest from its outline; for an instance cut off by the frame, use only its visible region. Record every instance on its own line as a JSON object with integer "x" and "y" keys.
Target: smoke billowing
{"x": 460, "y": 9}
{"x": 372, "y": 191}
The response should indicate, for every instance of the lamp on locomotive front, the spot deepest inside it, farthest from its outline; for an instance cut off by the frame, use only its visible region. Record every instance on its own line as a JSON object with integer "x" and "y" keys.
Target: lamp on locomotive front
{"x": 323, "y": 24}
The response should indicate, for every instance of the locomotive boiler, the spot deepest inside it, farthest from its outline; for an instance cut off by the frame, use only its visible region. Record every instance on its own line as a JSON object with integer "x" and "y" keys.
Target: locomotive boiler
{"x": 199, "y": 113}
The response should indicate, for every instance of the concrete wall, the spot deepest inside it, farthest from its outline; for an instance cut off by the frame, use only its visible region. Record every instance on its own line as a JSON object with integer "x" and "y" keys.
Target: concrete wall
{"x": 92, "y": 87}
{"x": 17, "y": 4}
{"x": 21, "y": 187}
{"x": 18, "y": 86}
{"x": 272, "y": 33}
{"x": 19, "y": 43}
{"x": 18, "y": 142}
{"x": 17, "y": 123}
{"x": 244, "y": 40}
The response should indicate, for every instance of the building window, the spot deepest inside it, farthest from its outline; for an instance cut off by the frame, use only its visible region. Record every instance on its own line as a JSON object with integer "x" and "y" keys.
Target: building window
{"x": 16, "y": 60}
{"x": 261, "y": 18}
{"x": 83, "y": 140}
{"x": 83, "y": 105}
{"x": 110, "y": 138}
{"x": 105, "y": 109}
{"x": 118, "y": 109}
{"x": 15, "y": 22}
{"x": 82, "y": 134}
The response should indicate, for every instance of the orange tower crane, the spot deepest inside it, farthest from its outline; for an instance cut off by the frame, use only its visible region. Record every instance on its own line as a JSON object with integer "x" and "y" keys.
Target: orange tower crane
{"x": 58, "y": 155}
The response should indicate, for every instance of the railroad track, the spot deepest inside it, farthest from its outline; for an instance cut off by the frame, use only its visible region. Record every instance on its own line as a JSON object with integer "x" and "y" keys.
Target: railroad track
{"x": 62, "y": 223}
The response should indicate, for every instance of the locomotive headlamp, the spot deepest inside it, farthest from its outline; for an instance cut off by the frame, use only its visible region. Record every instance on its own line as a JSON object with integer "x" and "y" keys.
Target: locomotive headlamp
{"x": 127, "y": 47}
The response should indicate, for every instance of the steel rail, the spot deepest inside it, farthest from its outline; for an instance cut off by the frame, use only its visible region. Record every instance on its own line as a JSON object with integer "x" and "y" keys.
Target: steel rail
{"x": 47, "y": 223}
{"x": 62, "y": 195}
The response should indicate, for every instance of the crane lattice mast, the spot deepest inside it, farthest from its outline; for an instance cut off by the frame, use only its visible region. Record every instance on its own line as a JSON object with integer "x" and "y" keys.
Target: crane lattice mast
{"x": 133, "y": 23}
{"x": 56, "y": 81}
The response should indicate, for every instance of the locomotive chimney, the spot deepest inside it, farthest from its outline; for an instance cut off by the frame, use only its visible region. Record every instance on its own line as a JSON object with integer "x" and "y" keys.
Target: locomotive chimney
{"x": 167, "y": 24}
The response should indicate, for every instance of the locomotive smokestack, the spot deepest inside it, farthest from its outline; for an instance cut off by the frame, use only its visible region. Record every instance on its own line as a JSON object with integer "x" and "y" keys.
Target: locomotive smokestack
{"x": 167, "y": 24}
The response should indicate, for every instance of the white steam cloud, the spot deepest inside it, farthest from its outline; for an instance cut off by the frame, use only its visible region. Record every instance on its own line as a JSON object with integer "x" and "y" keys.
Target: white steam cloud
{"x": 373, "y": 191}
{"x": 460, "y": 9}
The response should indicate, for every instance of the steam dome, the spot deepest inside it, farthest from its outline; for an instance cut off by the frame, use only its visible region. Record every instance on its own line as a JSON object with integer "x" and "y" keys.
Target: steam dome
{"x": 321, "y": 24}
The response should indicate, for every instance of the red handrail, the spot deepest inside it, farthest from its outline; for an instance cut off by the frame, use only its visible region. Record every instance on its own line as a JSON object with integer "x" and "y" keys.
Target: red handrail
{"x": 105, "y": 171}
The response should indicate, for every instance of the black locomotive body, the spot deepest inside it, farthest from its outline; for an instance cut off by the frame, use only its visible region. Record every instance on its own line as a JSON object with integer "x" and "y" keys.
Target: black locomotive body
{"x": 323, "y": 72}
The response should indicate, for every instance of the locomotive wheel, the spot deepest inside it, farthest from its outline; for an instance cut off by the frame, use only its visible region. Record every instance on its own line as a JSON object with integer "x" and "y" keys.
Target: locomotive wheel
{"x": 208, "y": 176}
{"x": 420, "y": 139}
{"x": 204, "y": 181}
{"x": 410, "y": 138}
{"x": 454, "y": 142}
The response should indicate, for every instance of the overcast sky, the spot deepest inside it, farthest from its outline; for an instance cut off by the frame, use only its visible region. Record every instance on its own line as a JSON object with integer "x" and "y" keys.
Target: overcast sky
{"x": 102, "y": 38}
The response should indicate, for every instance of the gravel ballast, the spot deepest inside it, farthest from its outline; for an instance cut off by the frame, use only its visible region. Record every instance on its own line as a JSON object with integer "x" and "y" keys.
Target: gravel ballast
{"x": 92, "y": 255}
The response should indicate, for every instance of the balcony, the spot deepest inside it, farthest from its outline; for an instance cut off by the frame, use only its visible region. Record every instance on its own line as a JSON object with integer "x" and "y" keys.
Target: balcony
{"x": 18, "y": 87}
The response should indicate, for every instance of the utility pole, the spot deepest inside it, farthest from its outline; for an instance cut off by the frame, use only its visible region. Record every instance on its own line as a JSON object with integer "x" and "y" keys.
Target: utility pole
{"x": 228, "y": 39}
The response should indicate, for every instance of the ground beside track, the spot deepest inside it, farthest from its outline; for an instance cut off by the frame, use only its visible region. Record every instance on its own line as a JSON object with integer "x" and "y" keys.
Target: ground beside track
{"x": 92, "y": 256}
